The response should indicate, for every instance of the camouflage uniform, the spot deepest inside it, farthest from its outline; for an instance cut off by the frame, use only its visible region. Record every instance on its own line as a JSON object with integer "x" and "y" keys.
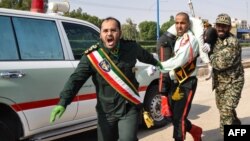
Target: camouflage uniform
{"x": 228, "y": 79}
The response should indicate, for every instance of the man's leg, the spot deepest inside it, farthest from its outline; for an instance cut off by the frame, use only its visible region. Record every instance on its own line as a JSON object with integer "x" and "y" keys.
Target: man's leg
{"x": 128, "y": 124}
{"x": 227, "y": 100}
{"x": 107, "y": 128}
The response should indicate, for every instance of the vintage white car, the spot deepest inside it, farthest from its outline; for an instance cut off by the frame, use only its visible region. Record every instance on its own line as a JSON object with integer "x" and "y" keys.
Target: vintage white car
{"x": 38, "y": 52}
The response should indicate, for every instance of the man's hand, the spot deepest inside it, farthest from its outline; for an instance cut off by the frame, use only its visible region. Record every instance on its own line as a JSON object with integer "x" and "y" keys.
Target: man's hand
{"x": 210, "y": 71}
{"x": 206, "y": 48}
{"x": 56, "y": 112}
{"x": 151, "y": 70}
{"x": 159, "y": 65}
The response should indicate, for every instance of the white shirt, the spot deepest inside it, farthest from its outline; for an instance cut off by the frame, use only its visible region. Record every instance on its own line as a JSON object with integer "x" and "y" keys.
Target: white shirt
{"x": 186, "y": 49}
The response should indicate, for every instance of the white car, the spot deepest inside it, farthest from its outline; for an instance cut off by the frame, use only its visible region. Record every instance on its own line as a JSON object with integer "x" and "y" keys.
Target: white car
{"x": 38, "y": 52}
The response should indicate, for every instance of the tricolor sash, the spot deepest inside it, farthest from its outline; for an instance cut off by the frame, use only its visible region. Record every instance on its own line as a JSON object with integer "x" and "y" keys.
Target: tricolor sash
{"x": 112, "y": 74}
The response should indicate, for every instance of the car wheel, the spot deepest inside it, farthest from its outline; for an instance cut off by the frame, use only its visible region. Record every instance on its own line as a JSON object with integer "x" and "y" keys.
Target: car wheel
{"x": 5, "y": 132}
{"x": 152, "y": 104}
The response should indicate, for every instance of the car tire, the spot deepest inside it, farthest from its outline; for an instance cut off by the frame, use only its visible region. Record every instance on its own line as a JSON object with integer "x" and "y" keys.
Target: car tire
{"x": 5, "y": 133}
{"x": 152, "y": 104}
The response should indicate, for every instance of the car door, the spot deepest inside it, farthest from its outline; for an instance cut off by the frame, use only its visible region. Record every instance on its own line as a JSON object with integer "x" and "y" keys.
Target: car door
{"x": 81, "y": 36}
{"x": 33, "y": 69}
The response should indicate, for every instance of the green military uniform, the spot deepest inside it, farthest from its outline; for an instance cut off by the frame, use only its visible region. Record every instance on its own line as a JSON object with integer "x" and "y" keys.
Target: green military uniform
{"x": 115, "y": 113}
{"x": 228, "y": 79}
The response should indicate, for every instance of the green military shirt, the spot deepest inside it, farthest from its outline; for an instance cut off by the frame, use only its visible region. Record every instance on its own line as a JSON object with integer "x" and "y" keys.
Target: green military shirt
{"x": 226, "y": 62}
{"x": 108, "y": 100}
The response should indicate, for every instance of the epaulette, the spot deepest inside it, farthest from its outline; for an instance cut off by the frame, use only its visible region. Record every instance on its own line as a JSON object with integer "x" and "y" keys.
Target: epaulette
{"x": 90, "y": 49}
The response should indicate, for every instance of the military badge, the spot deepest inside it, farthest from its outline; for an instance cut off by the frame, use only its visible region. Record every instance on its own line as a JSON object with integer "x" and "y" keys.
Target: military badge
{"x": 225, "y": 42}
{"x": 104, "y": 64}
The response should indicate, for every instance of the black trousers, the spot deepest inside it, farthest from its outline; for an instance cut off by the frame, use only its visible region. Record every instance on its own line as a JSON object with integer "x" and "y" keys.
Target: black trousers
{"x": 181, "y": 108}
{"x": 112, "y": 127}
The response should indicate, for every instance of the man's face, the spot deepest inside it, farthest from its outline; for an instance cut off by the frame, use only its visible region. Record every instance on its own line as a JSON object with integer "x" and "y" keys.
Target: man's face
{"x": 110, "y": 33}
{"x": 181, "y": 24}
{"x": 222, "y": 30}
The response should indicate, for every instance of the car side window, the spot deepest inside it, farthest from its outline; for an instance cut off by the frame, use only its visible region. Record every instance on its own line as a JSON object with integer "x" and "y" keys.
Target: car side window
{"x": 80, "y": 38}
{"x": 8, "y": 48}
{"x": 38, "y": 39}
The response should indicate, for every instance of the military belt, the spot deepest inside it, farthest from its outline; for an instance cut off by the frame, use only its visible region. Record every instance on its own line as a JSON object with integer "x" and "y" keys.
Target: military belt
{"x": 184, "y": 72}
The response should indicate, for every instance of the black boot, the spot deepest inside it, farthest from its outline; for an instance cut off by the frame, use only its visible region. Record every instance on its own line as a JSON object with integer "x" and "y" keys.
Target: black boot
{"x": 236, "y": 120}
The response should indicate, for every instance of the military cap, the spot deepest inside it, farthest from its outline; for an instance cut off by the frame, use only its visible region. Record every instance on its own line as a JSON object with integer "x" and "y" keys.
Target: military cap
{"x": 223, "y": 19}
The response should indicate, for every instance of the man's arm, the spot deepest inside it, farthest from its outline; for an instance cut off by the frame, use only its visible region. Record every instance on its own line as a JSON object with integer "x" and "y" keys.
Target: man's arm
{"x": 182, "y": 56}
{"x": 75, "y": 81}
{"x": 72, "y": 86}
{"x": 227, "y": 56}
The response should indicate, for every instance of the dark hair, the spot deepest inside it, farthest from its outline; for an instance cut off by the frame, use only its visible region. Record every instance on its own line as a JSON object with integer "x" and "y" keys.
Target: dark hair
{"x": 112, "y": 18}
{"x": 210, "y": 36}
{"x": 185, "y": 15}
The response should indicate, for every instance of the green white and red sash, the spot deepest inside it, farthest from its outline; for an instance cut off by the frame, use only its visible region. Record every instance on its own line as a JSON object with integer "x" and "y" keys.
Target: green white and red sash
{"x": 113, "y": 75}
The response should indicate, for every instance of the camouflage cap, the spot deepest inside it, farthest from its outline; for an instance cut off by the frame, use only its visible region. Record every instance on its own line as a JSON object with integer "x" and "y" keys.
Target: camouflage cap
{"x": 223, "y": 19}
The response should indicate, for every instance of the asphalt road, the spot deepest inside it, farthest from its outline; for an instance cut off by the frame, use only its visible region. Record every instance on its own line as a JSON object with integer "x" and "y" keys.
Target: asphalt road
{"x": 92, "y": 135}
{"x": 86, "y": 136}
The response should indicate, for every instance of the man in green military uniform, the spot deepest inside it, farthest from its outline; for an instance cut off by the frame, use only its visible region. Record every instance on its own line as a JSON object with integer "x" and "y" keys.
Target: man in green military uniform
{"x": 111, "y": 64}
{"x": 228, "y": 72}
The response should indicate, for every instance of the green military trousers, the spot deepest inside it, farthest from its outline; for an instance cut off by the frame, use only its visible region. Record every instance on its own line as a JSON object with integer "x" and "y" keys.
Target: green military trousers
{"x": 227, "y": 99}
{"x": 113, "y": 127}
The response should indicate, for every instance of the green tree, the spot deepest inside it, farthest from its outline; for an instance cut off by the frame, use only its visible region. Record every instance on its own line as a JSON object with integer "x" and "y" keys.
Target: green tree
{"x": 129, "y": 30}
{"x": 79, "y": 14}
{"x": 167, "y": 24}
{"x": 8, "y": 4}
{"x": 147, "y": 30}
{"x": 95, "y": 20}
{"x": 16, "y": 4}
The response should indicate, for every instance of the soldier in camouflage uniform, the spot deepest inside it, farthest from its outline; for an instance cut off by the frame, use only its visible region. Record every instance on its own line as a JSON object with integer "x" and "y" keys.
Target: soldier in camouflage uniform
{"x": 228, "y": 72}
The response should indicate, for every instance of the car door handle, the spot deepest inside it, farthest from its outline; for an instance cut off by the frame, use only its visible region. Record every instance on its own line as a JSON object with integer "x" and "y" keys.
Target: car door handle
{"x": 12, "y": 74}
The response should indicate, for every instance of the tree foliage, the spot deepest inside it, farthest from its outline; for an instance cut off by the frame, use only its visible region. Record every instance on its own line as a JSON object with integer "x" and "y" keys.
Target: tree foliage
{"x": 16, "y": 4}
{"x": 79, "y": 14}
{"x": 167, "y": 25}
{"x": 148, "y": 30}
{"x": 129, "y": 30}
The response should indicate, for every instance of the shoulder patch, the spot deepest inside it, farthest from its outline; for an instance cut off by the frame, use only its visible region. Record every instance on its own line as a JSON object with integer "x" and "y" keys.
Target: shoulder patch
{"x": 90, "y": 49}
